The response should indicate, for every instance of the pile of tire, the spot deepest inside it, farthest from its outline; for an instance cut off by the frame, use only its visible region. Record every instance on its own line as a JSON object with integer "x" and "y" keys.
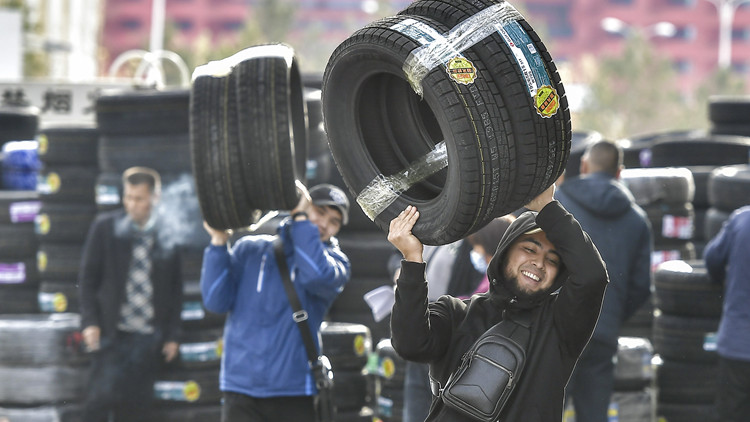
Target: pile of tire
{"x": 42, "y": 367}
{"x": 349, "y": 347}
{"x": 66, "y": 192}
{"x": 634, "y": 395}
{"x": 728, "y": 115}
{"x": 18, "y": 121}
{"x": 248, "y": 136}
{"x": 728, "y": 190}
{"x": 389, "y": 370}
{"x": 688, "y": 311}
{"x": 19, "y": 276}
{"x": 453, "y": 106}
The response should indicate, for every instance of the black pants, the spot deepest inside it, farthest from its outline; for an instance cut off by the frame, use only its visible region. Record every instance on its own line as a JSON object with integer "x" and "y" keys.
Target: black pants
{"x": 733, "y": 395}
{"x": 122, "y": 378}
{"x": 242, "y": 408}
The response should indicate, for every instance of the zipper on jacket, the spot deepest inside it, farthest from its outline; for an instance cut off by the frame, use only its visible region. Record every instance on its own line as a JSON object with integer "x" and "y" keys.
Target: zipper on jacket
{"x": 260, "y": 274}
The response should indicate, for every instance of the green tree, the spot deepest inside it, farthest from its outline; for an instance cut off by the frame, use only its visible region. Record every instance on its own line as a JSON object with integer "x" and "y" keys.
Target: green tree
{"x": 635, "y": 93}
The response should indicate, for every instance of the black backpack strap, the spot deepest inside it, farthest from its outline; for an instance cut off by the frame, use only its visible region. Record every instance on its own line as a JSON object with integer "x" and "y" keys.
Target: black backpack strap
{"x": 299, "y": 315}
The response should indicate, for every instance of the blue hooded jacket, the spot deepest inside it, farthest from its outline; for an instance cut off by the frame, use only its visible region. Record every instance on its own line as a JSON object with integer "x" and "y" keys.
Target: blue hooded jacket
{"x": 621, "y": 231}
{"x": 264, "y": 355}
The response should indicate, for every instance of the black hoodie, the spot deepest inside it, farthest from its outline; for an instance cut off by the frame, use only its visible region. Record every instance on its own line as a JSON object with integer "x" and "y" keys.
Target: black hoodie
{"x": 441, "y": 332}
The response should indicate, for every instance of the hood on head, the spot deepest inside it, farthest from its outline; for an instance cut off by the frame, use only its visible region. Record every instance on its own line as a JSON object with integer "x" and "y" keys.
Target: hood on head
{"x": 599, "y": 193}
{"x": 524, "y": 224}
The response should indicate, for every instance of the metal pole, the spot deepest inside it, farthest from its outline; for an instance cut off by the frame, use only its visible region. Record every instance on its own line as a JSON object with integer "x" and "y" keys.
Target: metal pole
{"x": 726, "y": 9}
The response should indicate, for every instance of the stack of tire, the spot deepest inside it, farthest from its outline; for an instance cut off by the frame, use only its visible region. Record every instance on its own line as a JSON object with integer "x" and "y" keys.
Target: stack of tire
{"x": 389, "y": 370}
{"x": 665, "y": 195}
{"x": 728, "y": 115}
{"x": 700, "y": 153}
{"x": 685, "y": 324}
{"x": 66, "y": 191}
{"x": 42, "y": 368}
{"x": 151, "y": 128}
{"x": 634, "y": 395}
{"x": 18, "y": 122}
{"x": 728, "y": 190}
{"x": 19, "y": 277}
{"x": 349, "y": 347}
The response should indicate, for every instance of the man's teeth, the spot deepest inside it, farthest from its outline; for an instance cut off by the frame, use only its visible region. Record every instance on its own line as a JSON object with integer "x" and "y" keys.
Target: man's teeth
{"x": 530, "y": 275}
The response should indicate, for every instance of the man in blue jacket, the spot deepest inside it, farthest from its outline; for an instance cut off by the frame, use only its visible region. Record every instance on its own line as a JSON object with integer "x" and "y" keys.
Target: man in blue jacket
{"x": 622, "y": 233}
{"x": 728, "y": 260}
{"x": 264, "y": 373}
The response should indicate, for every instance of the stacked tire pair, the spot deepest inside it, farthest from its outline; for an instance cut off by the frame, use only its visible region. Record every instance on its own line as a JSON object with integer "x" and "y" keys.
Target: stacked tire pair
{"x": 42, "y": 367}
{"x": 18, "y": 122}
{"x": 248, "y": 135}
{"x": 463, "y": 136}
{"x": 151, "y": 128}
{"x": 349, "y": 347}
{"x": 19, "y": 276}
{"x": 634, "y": 395}
{"x": 389, "y": 371}
{"x": 728, "y": 190}
{"x": 685, "y": 325}
{"x": 701, "y": 154}
{"x": 66, "y": 191}
{"x": 728, "y": 115}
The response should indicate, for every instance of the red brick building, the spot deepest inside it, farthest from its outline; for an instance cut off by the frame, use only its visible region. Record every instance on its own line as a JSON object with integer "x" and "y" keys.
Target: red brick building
{"x": 571, "y": 28}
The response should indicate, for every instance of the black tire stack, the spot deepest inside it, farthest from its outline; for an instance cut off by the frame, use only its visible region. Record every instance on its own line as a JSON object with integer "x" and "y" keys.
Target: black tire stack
{"x": 349, "y": 347}
{"x": 728, "y": 115}
{"x": 685, "y": 325}
{"x": 151, "y": 128}
{"x": 389, "y": 370}
{"x": 728, "y": 190}
{"x": 19, "y": 277}
{"x": 66, "y": 191}
{"x": 42, "y": 367}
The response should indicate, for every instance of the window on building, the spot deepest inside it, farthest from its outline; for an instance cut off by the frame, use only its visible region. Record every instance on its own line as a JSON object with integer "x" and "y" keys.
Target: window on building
{"x": 741, "y": 34}
{"x": 741, "y": 67}
{"x": 184, "y": 25}
{"x": 131, "y": 24}
{"x": 687, "y": 32}
{"x": 231, "y": 26}
{"x": 557, "y": 18}
{"x": 621, "y": 1}
{"x": 684, "y": 3}
{"x": 683, "y": 66}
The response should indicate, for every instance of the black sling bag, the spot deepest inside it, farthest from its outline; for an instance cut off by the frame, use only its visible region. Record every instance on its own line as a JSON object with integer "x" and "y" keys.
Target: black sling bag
{"x": 319, "y": 364}
{"x": 489, "y": 370}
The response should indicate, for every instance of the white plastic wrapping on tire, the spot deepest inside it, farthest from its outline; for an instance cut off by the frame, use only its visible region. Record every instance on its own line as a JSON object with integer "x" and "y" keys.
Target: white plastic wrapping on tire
{"x": 438, "y": 49}
{"x": 384, "y": 190}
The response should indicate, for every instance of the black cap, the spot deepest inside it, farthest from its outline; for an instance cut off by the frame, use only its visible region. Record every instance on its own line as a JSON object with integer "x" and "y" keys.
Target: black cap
{"x": 332, "y": 196}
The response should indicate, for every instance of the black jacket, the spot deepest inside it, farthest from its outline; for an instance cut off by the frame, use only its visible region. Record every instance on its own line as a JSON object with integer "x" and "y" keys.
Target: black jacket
{"x": 622, "y": 233}
{"x": 441, "y": 332}
{"x": 104, "y": 271}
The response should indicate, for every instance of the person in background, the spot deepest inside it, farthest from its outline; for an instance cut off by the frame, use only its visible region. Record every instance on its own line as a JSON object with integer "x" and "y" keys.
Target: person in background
{"x": 727, "y": 258}
{"x": 621, "y": 231}
{"x": 484, "y": 243}
{"x": 544, "y": 264}
{"x": 264, "y": 371}
{"x": 130, "y": 289}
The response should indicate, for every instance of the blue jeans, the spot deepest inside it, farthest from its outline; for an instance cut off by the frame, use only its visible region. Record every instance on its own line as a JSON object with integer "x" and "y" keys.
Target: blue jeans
{"x": 241, "y": 408}
{"x": 417, "y": 394}
{"x": 592, "y": 382}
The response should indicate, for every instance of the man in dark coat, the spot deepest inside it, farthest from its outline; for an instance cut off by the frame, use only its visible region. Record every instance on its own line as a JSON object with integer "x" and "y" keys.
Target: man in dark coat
{"x": 622, "y": 233}
{"x": 130, "y": 290}
{"x": 544, "y": 263}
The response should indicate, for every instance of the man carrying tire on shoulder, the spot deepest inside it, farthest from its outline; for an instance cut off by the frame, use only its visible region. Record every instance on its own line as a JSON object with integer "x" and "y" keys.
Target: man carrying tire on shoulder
{"x": 265, "y": 374}
{"x": 545, "y": 269}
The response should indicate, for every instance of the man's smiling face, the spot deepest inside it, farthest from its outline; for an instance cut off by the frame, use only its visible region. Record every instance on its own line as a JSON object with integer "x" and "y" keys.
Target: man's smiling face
{"x": 532, "y": 264}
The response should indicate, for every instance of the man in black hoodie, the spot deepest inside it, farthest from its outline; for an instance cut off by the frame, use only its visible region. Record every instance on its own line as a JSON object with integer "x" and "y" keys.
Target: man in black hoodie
{"x": 545, "y": 263}
{"x": 622, "y": 233}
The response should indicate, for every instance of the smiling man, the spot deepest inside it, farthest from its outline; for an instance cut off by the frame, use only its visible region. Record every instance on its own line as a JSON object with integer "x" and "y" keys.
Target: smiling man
{"x": 545, "y": 266}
